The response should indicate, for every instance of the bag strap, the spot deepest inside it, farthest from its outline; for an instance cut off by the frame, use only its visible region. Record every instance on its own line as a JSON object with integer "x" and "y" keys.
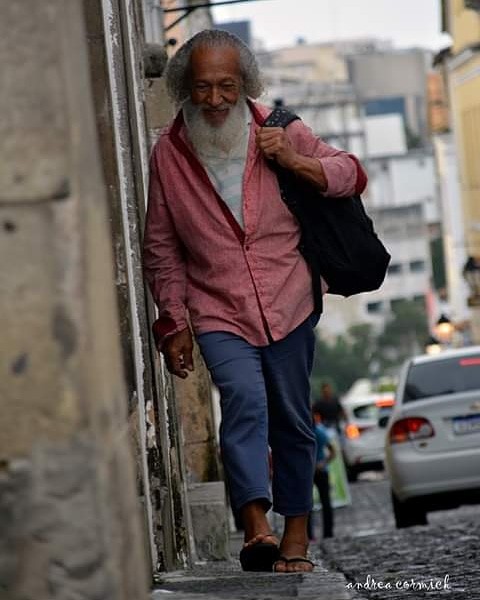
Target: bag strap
{"x": 280, "y": 117}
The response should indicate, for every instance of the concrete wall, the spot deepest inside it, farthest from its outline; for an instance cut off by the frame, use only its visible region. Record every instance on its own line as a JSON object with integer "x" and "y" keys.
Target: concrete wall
{"x": 464, "y": 87}
{"x": 398, "y": 73}
{"x": 117, "y": 52}
{"x": 405, "y": 234}
{"x": 189, "y": 403}
{"x": 453, "y": 225}
{"x": 69, "y": 515}
{"x": 404, "y": 180}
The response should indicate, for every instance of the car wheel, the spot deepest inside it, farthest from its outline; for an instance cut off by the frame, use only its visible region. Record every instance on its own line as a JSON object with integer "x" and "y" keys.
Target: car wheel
{"x": 408, "y": 514}
{"x": 352, "y": 474}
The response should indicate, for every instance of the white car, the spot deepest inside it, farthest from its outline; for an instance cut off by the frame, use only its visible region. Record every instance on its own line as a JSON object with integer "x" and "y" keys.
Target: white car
{"x": 363, "y": 433}
{"x": 433, "y": 435}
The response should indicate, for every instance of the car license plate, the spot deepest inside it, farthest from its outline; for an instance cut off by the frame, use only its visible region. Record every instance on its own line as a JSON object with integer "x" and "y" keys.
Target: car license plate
{"x": 464, "y": 425}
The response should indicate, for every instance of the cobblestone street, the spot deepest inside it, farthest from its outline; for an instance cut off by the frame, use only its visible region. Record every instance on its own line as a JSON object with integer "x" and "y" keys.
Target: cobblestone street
{"x": 368, "y": 558}
{"x": 367, "y": 547}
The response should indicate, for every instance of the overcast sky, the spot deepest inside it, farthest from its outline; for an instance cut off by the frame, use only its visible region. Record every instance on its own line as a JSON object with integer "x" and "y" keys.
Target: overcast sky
{"x": 280, "y": 23}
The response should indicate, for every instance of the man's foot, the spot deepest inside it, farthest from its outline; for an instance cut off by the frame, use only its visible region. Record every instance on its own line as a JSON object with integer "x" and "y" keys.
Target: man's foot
{"x": 260, "y": 550}
{"x": 267, "y": 538}
{"x": 293, "y": 558}
{"x": 260, "y": 553}
{"x": 256, "y": 526}
{"x": 295, "y": 564}
{"x": 293, "y": 547}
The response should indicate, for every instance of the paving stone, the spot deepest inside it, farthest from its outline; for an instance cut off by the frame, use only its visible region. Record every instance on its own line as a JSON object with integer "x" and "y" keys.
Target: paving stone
{"x": 367, "y": 551}
{"x": 448, "y": 546}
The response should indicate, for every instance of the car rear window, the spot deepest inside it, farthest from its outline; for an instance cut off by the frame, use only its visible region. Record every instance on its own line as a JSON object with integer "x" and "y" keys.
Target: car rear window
{"x": 442, "y": 377}
{"x": 367, "y": 411}
{"x": 371, "y": 411}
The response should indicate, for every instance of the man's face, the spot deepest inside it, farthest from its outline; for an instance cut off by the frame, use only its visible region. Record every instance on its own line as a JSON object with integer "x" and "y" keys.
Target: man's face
{"x": 326, "y": 391}
{"x": 216, "y": 82}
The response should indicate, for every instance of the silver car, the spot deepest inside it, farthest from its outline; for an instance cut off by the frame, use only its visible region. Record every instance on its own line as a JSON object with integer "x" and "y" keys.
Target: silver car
{"x": 363, "y": 436}
{"x": 432, "y": 451}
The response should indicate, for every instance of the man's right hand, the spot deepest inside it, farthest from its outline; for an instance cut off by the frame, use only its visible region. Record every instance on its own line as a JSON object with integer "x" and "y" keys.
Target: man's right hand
{"x": 177, "y": 351}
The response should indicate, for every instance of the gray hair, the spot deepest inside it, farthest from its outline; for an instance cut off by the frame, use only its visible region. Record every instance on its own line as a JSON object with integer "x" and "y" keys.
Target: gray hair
{"x": 178, "y": 71}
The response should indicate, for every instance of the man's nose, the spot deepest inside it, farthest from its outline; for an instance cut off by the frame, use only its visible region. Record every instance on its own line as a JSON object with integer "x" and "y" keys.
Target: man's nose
{"x": 215, "y": 97}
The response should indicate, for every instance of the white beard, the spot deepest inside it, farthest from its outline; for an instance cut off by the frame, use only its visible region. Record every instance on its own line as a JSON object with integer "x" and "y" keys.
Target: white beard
{"x": 216, "y": 142}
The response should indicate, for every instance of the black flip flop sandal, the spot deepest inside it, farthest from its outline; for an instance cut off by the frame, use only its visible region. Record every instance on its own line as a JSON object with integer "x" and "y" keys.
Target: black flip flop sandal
{"x": 259, "y": 557}
{"x": 293, "y": 559}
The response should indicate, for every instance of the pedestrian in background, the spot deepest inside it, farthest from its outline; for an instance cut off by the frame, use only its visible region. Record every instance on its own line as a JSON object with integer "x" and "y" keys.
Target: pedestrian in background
{"x": 328, "y": 406}
{"x": 325, "y": 454}
{"x": 221, "y": 256}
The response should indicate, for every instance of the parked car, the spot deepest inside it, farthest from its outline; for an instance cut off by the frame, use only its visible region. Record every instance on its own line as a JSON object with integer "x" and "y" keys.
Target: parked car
{"x": 433, "y": 435}
{"x": 363, "y": 432}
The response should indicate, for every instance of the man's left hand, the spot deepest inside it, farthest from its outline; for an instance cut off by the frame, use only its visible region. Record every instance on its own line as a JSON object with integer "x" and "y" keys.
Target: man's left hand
{"x": 275, "y": 144}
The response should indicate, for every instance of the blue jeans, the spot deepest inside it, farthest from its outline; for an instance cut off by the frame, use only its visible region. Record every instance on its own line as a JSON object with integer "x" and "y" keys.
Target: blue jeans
{"x": 265, "y": 401}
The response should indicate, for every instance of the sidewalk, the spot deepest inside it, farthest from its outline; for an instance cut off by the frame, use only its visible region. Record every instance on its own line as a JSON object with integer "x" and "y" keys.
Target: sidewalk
{"x": 226, "y": 581}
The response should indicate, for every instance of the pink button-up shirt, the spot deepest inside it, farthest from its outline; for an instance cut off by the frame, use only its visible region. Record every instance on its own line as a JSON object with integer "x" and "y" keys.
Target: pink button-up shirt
{"x": 254, "y": 283}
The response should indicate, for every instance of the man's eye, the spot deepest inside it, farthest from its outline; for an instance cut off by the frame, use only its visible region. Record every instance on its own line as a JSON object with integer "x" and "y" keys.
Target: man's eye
{"x": 201, "y": 87}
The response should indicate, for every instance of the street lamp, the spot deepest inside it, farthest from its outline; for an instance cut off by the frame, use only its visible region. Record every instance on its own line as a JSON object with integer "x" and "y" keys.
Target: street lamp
{"x": 471, "y": 273}
{"x": 444, "y": 329}
{"x": 433, "y": 346}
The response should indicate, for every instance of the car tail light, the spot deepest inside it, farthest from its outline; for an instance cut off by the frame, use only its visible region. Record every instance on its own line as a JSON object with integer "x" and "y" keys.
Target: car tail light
{"x": 352, "y": 431}
{"x": 410, "y": 429}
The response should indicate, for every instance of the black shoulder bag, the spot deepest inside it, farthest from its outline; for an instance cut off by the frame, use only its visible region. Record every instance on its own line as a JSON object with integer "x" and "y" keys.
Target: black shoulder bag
{"x": 338, "y": 240}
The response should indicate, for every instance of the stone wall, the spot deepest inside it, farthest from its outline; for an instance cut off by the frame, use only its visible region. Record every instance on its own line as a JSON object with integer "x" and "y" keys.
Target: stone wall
{"x": 69, "y": 517}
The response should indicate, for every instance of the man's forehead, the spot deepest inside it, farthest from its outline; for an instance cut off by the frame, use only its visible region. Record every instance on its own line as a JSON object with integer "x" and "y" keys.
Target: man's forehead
{"x": 218, "y": 58}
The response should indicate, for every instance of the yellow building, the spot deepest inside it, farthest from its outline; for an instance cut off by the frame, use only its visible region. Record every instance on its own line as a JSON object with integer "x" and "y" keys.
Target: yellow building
{"x": 461, "y": 19}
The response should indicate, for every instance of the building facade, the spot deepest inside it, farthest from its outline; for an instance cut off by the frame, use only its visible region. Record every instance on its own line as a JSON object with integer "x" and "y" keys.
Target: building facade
{"x": 365, "y": 97}
{"x": 462, "y": 22}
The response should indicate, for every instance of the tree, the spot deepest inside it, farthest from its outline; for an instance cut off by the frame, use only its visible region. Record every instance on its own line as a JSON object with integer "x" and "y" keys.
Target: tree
{"x": 404, "y": 334}
{"x": 362, "y": 352}
{"x": 345, "y": 360}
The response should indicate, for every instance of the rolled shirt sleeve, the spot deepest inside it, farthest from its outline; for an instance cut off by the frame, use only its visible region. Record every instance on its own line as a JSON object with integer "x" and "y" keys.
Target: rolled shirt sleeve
{"x": 343, "y": 171}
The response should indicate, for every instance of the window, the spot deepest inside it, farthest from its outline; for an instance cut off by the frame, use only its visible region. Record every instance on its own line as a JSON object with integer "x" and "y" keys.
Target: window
{"x": 397, "y": 302}
{"x": 372, "y": 412}
{"x": 395, "y": 269}
{"x": 442, "y": 377}
{"x": 366, "y": 411}
{"x": 374, "y": 307}
{"x": 417, "y": 266}
{"x": 419, "y": 299}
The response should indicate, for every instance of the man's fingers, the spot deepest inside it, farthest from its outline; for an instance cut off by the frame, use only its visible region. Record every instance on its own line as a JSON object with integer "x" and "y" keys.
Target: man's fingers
{"x": 177, "y": 351}
{"x": 270, "y": 131}
{"x": 177, "y": 362}
{"x": 268, "y": 134}
{"x": 188, "y": 358}
{"x": 271, "y": 145}
{"x": 176, "y": 367}
{"x": 269, "y": 148}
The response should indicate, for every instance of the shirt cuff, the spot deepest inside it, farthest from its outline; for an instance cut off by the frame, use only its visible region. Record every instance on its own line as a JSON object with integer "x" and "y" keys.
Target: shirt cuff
{"x": 165, "y": 327}
{"x": 339, "y": 184}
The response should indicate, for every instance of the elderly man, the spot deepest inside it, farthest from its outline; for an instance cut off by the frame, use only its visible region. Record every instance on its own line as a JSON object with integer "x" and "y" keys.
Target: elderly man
{"x": 222, "y": 247}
